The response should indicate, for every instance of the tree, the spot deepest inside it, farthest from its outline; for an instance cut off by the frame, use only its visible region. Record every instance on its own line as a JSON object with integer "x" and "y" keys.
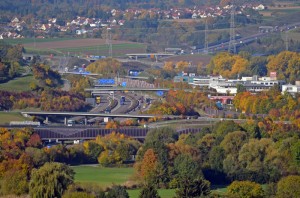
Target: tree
{"x": 296, "y": 152}
{"x": 288, "y": 187}
{"x": 216, "y": 157}
{"x": 117, "y": 192}
{"x": 286, "y": 64}
{"x": 149, "y": 164}
{"x": 245, "y": 189}
{"x": 240, "y": 88}
{"x": 92, "y": 150}
{"x": 193, "y": 188}
{"x": 223, "y": 128}
{"x": 38, "y": 156}
{"x": 51, "y": 180}
{"x": 14, "y": 182}
{"x": 149, "y": 191}
{"x": 186, "y": 168}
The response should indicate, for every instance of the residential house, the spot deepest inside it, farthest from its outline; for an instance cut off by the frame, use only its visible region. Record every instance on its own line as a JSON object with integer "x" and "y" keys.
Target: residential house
{"x": 259, "y": 7}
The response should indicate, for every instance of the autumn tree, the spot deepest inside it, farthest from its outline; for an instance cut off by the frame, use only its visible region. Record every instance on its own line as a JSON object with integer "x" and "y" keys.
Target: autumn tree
{"x": 14, "y": 182}
{"x": 148, "y": 165}
{"x": 245, "y": 189}
{"x": 46, "y": 76}
{"x": 286, "y": 64}
{"x": 92, "y": 150}
{"x": 228, "y": 65}
{"x": 288, "y": 187}
{"x": 107, "y": 67}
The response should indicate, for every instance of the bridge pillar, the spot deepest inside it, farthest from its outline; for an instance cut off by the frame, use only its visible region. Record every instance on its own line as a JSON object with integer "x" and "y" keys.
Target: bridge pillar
{"x": 46, "y": 121}
{"x": 85, "y": 121}
{"x": 65, "y": 121}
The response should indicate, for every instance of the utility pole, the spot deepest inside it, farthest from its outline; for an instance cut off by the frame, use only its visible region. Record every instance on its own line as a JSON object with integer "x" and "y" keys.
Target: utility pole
{"x": 206, "y": 38}
{"x": 232, "y": 41}
{"x": 106, "y": 36}
{"x": 110, "y": 46}
{"x": 286, "y": 41}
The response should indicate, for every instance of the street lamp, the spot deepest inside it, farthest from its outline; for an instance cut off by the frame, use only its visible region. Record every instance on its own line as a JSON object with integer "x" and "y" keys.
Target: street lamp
{"x": 210, "y": 114}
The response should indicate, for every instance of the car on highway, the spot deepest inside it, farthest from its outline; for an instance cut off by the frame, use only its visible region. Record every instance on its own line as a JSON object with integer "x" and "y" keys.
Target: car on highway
{"x": 107, "y": 110}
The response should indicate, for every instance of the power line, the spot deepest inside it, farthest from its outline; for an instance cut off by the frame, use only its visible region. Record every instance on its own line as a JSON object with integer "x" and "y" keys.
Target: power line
{"x": 232, "y": 41}
{"x": 110, "y": 46}
{"x": 206, "y": 38}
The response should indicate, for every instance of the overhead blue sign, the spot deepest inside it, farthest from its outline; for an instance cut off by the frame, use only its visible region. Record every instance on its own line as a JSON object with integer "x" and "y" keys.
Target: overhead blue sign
{"x": 160, "y": 93}
{"x": 124, "y": 84}
{"x": 106, "y": 81}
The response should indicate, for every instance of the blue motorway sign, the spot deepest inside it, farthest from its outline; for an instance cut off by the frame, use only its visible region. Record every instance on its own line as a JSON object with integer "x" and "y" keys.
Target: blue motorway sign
{"x": 106, "y": 81}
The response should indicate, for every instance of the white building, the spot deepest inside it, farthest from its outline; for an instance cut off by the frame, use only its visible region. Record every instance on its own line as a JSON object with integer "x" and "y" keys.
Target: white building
{"x": 229, "y": 86}
{"x": 292, "y": 89}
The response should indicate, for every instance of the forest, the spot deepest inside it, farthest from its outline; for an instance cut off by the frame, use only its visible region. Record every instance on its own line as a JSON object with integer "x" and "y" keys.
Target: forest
{"x": 243, "y": 156}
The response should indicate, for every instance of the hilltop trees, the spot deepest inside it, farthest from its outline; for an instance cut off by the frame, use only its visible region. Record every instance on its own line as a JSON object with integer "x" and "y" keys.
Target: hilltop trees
{"x": 107, "y": 67}
{"x": 228, "y": 65}
{"x": 46, "y": 76}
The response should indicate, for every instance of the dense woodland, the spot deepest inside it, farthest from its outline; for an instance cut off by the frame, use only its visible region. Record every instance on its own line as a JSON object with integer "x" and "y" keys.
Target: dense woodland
{"x": 246, "y": 154}
{"x": 265, "y": 149}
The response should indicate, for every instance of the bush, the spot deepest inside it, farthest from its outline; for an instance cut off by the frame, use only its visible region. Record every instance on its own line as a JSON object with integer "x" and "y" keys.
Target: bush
{"x": 245, "y": 189}
{"x": 117, "y": 192}
{"x": 90, "y": 189}
{"x": 196, "y": 188}
{"x": 78, "y": 195}
{"x": 149, "y": 191}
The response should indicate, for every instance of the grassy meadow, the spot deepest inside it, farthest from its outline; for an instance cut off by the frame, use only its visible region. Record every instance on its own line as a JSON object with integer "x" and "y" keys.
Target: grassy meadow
{"x": 18, "y": 84}
{"x": 102, "y": 49}
{"x": 105, "y": 177}
{"x": 32, "y": 40}
{"x": 6, "y": 117}
{"x": 163, "y": 193}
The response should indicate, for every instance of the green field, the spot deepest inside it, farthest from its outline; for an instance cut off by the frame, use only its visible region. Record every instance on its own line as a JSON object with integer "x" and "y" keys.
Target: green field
{"x": 6, "y": 117}
{"x": 106, "y": 177}
{"x": 17, "y": 84}
{"x": 118, "y": 49}
{"x": 164, "y": 193}
{"x": 294, "y": 34}
{"x": 103, "y": 176}
{"x": 32, "y": 40}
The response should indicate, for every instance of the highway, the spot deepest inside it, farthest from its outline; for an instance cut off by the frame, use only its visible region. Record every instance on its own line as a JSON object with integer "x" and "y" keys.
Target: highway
{"x": 246, "y": 40}
{"x": 85, "y": 114}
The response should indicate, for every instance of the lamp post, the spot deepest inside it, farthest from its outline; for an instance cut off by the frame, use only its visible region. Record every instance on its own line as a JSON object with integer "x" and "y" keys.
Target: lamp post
{"x": 210, "y": 114}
